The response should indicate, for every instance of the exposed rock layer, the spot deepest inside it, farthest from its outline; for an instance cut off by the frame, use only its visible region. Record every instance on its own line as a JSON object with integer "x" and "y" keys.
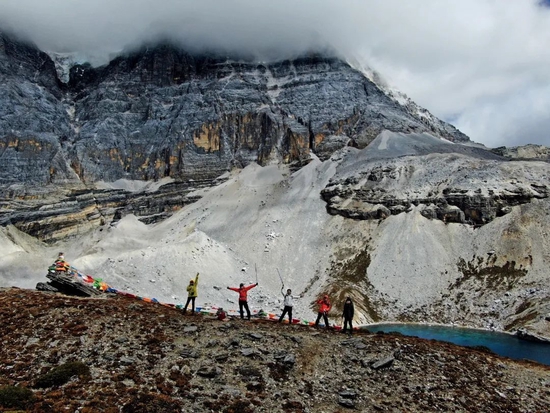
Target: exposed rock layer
{"x": 449, "y": 182}
{"x": 161, "y": 112}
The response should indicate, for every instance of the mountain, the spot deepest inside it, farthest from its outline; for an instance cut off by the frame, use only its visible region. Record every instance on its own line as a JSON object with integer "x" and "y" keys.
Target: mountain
{"x": 164, "y": 163}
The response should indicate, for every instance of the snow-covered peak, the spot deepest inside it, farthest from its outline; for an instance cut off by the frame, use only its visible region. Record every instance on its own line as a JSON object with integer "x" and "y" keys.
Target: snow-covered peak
{"x": 63, "y": 63}
{"x": 401, "y": 98}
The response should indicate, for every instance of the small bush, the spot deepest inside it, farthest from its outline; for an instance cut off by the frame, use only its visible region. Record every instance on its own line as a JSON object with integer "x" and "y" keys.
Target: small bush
{"x": 62, "y": 374}
{"x": 15, "y": 397}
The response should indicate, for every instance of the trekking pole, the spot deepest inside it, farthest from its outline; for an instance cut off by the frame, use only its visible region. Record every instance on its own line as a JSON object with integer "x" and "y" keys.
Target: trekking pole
{"x": 281, "y": 278}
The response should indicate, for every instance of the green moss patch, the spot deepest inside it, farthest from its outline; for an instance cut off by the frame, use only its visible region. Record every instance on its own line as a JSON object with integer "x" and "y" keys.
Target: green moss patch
{"x": 62, "y": 374}
{"x": 15, "y": 397}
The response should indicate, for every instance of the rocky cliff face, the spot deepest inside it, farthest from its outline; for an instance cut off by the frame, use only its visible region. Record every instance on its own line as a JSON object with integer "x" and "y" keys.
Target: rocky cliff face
{"x": 160, "y": 112}
{"x": 451, "y": 183}
{"x": 34, "y": 124}
{"x": 525, "y": 152}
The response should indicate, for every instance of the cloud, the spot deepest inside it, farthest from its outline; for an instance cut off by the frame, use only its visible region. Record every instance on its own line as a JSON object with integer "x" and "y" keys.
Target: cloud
{"x": 481, "y": 64}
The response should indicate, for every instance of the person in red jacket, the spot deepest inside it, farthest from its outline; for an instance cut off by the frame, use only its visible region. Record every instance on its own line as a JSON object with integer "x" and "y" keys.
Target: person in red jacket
{"x": 324, "y": 308}
{"x": 221, "y": 314}
{"x": 243, "y": 297}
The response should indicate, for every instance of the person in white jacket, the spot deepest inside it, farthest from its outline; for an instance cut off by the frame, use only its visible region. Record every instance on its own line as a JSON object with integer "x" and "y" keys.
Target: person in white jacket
{"x": 288, "y": 303}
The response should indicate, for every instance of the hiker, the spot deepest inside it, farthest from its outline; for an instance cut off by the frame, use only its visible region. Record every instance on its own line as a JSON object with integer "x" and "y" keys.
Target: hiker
{"x": 347, "y": 314}
{"x": 192, "y": 294}
{"x": 221, "y": 314}
{"x": 288, "y": 297}
{"x": 60, "y": 264}
{"x": 243, "y": 303}
{"x": 324, "y": 308}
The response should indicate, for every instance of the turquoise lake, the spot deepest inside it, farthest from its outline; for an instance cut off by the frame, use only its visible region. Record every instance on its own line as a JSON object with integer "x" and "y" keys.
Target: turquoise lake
{"x": 500, "y": 343}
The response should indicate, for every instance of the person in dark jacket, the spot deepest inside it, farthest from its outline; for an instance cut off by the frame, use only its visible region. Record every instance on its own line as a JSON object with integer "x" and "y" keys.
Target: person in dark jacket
{"x": 347, "y": 314}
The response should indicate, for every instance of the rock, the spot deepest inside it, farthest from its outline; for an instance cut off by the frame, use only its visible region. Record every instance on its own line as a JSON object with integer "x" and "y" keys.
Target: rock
{"x": 525, "y": 335}
{"x": 231, "y": 391}
{"x": 189, "y": 353}
{"x": 345, "y": 402}
{"x": 33, "y": 340}
{"x": 46, "y": 287}
{"x": 383, "y": 363}
{"x": 348, "y": 394}
{"x": 255, "y": 336}
{"x": 221, "y": 357}
{"x": 68, "y": 284}
{"x": 529, "y": 151}
{"x": 190, "y": 329}
{"x": 293, "y": 338}
{"x": 209, "y": 371}
{"x": 127, "y": 360}
{"x": 289, "y": 360}
{"x": 249, "y": 371}
{"x": 354, "y": 343}
{"x": 386, "y": 190}
{"x": 249, "y": 352}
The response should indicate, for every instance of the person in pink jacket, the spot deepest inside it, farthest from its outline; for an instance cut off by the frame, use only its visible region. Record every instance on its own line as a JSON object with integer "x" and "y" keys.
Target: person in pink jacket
{"x": 243, "y": 298}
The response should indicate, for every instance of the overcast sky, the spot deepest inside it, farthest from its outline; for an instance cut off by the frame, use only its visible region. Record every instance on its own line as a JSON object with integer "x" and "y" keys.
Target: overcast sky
{"x": 482, "y": 65}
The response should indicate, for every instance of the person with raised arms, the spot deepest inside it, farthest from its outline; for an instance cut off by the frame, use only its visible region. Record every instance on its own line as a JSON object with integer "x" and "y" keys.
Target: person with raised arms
{"x": 243, "y": 298}
{"x": 288, "y": 303}
{"x": 192, "y": 294}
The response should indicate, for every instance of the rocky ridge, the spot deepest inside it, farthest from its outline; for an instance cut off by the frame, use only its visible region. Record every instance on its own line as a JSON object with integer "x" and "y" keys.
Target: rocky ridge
{"x": 141, "y": 357}
{"x": 451, "y": 183}
{"x": 538, "y": 152}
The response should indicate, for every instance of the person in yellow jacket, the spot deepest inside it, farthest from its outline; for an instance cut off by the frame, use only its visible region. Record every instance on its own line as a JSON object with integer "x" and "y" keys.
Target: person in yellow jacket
{"x": 191, "y": 294}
